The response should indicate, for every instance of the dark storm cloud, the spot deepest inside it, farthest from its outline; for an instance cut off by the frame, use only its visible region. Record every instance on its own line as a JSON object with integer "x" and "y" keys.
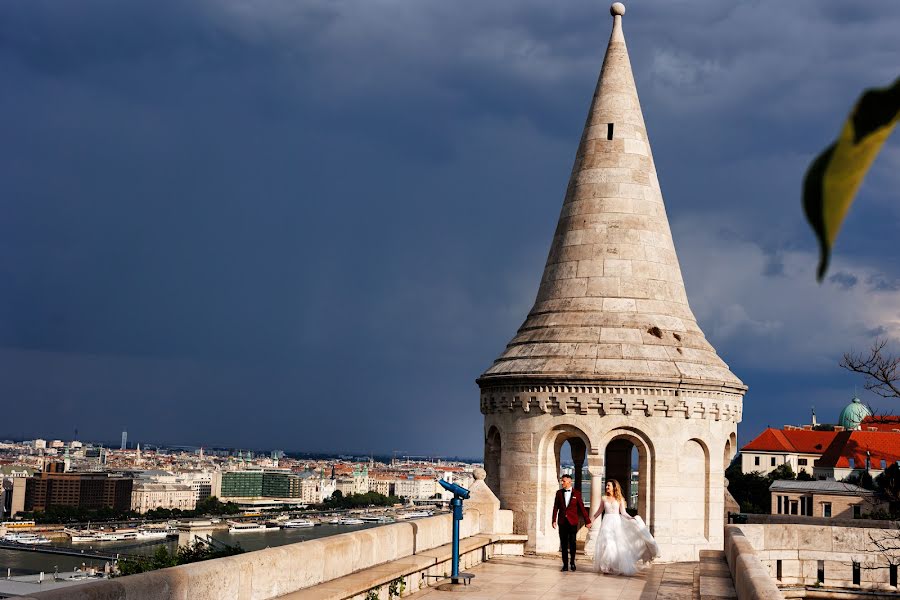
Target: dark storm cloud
{"x": 844, "y": 279}
{"x": 339, "y": 211}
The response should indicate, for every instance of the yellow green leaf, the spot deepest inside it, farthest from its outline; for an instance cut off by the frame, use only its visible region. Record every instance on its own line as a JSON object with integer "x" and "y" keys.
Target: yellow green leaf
{"x": 834, "y": 177}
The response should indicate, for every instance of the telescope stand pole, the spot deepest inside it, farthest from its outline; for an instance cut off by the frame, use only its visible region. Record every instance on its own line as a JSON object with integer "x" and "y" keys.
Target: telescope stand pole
{"x": 454, "y": 574}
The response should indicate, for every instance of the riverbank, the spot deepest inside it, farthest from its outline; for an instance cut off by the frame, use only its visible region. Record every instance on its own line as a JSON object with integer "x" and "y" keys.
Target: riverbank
{"x": 20, "y": 563}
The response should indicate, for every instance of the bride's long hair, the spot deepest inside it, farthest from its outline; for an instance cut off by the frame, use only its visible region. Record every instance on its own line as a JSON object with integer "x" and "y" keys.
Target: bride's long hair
{"x": 617, "y": 490}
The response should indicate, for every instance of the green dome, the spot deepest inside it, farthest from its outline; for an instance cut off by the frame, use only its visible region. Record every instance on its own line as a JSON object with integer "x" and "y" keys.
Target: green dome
{"x": 853, "y": 414}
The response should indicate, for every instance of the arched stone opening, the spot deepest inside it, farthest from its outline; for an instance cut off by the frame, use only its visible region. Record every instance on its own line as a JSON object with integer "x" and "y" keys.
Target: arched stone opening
{"x": 492, "y": 459}
{"x": 694, "y": 480}
{"x": 624, "y": 451}
{"x": 730, "y": 448}
{"x": 729, "y": 452}
{"x": 550, "y": 470}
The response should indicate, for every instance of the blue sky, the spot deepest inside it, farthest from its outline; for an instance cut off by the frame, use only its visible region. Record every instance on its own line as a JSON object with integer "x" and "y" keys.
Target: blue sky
{"x": 312, "y": 225}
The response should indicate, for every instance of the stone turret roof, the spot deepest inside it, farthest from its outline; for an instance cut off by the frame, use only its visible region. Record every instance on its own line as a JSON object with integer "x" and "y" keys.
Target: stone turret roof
{"x": 611, "y": 303}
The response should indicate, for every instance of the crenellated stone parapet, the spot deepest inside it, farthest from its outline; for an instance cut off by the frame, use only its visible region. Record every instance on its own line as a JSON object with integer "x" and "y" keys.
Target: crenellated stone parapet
{"x": 602, "y": 400}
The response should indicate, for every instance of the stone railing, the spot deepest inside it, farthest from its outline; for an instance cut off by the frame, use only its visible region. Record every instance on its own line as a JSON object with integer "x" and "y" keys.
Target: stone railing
{"x": 383, "y": 561}
{"x": 751, "y": 579}
{"x": 837, "y": 555}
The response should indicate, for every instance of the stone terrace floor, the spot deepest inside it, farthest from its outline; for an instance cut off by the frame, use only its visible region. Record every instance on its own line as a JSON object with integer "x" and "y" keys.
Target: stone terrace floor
{"x": 539, "y": 578}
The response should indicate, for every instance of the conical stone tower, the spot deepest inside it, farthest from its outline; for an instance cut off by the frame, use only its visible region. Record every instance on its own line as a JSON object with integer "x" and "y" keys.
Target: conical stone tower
{"x": 610, "y": 358}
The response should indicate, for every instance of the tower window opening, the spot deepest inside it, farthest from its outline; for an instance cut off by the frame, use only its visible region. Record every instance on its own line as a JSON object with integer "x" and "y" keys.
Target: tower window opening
{"x": 856, "y": 573}
{"x": 609, "y": 131}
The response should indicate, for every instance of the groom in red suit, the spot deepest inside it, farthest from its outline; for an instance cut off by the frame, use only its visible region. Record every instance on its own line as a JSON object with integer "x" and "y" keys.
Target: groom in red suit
{"x": 568, "y": 502}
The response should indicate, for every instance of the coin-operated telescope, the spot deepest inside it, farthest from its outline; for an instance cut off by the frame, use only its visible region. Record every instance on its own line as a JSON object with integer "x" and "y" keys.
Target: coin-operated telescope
{"x": 459, "y": 494}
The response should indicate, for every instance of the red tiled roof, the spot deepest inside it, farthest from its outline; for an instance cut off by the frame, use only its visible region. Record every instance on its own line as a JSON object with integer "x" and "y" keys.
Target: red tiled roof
{"x": 803, "y": 441}
{"x": 881, "y": 423}
{"x": 881, "y": 445}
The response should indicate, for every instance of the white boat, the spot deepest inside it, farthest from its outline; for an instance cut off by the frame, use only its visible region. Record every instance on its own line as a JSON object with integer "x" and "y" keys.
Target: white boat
{"x": 418, "y": 514}
{"x": 117, "y": 535}
{"x": 236, "y": 527}
{"x": 350, "y": 522}
{"x": 26, "y": 538}
{"x": 298, "y": 524}
{"x": 152, "y": 534}
{"x": 81, "y": 535}
{"x": 381, "y": 519}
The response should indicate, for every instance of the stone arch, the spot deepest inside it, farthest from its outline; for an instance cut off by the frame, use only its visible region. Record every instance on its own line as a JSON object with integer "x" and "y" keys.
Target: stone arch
{"x": 548, "y": 467}
{"x": 493, "y": 456}
{"x": 646, "y": 467}
{"x": 729, "y": 451}
{"x": 694, "y": 479}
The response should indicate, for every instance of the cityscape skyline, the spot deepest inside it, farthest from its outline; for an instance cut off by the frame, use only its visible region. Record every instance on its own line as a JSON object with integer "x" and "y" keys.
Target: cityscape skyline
{"x": 314, "y": 228}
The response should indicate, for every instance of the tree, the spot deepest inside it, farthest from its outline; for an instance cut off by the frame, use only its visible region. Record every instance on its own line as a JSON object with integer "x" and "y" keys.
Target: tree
{"x": 879, "y": 368}
{"x": 750, "y": 490}
{"x": 194, "y": 552}
{"x": 781, "y": 472}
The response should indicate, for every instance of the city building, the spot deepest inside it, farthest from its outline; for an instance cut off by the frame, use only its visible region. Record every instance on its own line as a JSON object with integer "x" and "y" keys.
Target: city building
{"x": 829, "y": 499}
{"x": 417, "y": 487}
{"x": 863, "y": 443}
{"x": 610, "y": 358}
{"x": 263, "y": 483}
{"x": 12, "y": 496}
{"x": 83, "y": 490}
{"x": 853, "y": 452}
{"x": 281, "y": 485}
{"x": 384, "y": 485}
{"x": 854, "y": 414}
{"x": 147, "y": 496}
{"x": 242, "y": 484}
{"x": 795, "y": 446}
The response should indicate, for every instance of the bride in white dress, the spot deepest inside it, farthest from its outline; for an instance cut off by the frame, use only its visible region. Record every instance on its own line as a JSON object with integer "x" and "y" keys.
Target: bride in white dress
{"x": 622, "y": 544}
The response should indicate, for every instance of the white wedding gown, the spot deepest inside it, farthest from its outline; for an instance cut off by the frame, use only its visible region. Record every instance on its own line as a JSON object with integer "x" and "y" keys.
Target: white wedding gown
{"x": 621, "y": 545}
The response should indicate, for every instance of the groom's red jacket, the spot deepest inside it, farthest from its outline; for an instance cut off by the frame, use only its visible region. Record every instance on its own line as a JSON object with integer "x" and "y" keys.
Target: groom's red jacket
{"x": 576, "y": 505}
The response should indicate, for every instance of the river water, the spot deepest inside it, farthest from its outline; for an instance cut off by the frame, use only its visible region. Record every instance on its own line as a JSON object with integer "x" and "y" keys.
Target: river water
{"x": 24, "y": 563}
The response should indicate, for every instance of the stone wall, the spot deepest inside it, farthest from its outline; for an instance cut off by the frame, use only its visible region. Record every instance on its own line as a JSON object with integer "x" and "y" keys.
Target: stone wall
{"x": 276, "y": 572}
{"x": 802, "y": 548}
{"x": 751, "y": 581}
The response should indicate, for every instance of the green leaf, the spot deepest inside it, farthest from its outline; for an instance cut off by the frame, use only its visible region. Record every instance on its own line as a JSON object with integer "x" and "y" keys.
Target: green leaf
{"x": 834, "y": 177}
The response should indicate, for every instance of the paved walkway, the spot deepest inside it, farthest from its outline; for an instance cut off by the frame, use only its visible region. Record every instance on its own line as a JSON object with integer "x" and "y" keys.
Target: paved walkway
{"x": 538, "y": 578}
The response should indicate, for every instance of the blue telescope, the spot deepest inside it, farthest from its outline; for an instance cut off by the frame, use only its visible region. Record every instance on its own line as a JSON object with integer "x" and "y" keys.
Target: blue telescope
{"x": 454, "y": 489}
{"x": 459, "y": 494}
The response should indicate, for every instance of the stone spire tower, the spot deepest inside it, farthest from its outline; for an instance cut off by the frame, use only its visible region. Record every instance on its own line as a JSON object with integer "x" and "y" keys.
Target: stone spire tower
{"x": 610, "y": 358}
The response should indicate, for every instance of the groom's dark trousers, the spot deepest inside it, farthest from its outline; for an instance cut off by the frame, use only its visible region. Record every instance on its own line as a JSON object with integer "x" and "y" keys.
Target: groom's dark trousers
{"x": 568, "y": 522}
{"x": 567, "y": 541}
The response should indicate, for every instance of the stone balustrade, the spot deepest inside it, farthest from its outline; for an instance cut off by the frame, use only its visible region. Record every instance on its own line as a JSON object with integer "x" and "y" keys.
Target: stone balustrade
{"x": 349, "y": 565}
{"x": 751, "y": 579}
{"x": 840, "y": 555}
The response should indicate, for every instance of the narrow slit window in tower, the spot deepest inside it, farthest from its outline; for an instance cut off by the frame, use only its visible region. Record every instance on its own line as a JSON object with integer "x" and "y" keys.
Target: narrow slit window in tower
{"x": 609, "y": 131}
{"x": 778, "y": 570}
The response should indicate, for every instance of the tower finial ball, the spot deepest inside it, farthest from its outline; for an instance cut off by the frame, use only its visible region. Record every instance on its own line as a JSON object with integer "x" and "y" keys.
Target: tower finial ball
{"x": 617, "y": 9}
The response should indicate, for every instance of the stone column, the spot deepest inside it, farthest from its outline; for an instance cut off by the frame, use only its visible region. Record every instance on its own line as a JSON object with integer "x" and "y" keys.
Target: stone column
{"x": 578, "y": 453}
{"x": 595, "y": 466}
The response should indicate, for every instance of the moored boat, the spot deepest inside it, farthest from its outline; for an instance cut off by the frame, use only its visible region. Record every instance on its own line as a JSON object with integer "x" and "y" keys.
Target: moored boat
{"x": 297, "y": 524}
{"x": 235, "y": 527}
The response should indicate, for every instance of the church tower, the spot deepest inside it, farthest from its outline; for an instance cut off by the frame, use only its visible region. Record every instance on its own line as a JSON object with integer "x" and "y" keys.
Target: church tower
{"x": 610, "y": 358}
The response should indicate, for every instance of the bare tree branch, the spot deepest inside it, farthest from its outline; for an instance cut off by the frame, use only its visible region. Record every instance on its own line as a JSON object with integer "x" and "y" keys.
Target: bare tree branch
{"x": 880, "y": 368}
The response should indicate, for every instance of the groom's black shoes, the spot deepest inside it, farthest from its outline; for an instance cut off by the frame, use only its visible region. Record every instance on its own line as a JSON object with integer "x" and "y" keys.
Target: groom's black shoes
{"x": 564, "y": 568}
{"x": 572, "y": 567}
